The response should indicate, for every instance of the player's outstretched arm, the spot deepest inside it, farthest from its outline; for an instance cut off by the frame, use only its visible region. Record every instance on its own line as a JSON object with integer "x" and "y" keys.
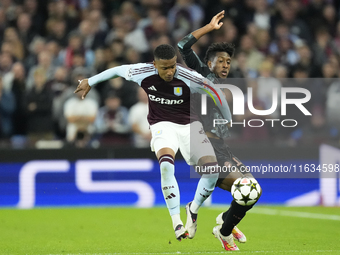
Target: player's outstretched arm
{"x": 86, "y": 84}
{"x": 214, "y": 24}
{"x": 83, "y": 87}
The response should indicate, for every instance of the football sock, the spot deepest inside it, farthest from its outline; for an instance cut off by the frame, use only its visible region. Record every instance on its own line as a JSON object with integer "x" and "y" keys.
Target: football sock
{"x": 169, "y": 184}
{"x": 205, "y": 187}
{"x": 176, "y": 220}
{"x": 194, "y": 207}
{"x": 233, "y": 216}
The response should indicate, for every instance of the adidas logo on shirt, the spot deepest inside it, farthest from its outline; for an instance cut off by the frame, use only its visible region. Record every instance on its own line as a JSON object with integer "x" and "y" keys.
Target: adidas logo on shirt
{"x": 152, "y": 88}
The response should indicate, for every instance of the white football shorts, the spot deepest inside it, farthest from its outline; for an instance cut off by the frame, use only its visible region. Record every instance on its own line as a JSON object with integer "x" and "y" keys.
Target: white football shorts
{"x": 166, "y": 134}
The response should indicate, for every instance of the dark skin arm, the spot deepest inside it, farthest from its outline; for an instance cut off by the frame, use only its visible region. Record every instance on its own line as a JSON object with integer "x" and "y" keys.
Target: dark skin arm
{"x": 214, "y": 24}
{"x": 83, "y": 87}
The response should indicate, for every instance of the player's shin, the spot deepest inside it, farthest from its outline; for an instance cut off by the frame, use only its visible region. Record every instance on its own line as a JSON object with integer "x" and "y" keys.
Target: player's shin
{"x": 205, "y": 187}
{"x": 233, "y": 216}
{"x": 170, "y": 188}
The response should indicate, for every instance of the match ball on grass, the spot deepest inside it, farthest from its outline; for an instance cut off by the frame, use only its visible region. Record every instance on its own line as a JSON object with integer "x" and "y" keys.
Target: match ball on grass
{"x": 245, "y": 191}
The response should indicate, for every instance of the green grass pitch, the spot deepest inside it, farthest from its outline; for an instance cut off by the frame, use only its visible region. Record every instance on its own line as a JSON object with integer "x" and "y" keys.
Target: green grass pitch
{"x": 269, "y": 230}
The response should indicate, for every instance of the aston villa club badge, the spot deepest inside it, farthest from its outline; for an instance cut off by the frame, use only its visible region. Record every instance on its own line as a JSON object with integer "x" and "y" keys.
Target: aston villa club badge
{"x": 178, "y": 91}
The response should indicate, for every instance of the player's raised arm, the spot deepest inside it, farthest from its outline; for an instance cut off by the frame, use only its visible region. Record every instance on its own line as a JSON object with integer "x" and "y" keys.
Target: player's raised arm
{"x": 214, "y": 24}
{"x": 184, "y": 46}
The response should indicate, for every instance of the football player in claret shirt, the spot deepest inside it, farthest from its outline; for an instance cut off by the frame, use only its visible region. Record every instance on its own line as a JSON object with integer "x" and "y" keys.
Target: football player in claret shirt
{"x": 169, "y": 87}
{"x": 216, "y": 68}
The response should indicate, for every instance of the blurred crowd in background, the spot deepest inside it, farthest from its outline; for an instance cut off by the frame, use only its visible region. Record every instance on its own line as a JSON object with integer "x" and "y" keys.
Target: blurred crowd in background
{"x": 48, "y": 45}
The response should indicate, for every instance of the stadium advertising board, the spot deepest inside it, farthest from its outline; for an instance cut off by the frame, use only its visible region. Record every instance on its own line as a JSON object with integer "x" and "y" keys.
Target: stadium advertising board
{"x": 136, "y": 182}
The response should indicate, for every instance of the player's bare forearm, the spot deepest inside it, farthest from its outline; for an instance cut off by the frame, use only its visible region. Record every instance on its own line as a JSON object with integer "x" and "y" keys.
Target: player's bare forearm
{"x": 214, "y": 24}
{"x": 83, "y": 87}
{"x": 202, "y": 31}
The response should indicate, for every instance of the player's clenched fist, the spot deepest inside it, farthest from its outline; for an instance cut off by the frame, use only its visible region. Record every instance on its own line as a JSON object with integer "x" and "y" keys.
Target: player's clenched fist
{"x": 83, "y": 87}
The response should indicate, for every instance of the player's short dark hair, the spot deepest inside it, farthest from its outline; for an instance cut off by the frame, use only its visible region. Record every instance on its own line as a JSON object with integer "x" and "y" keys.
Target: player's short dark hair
{"x": 219, "y": 47}
{"x": 164, "y": 51}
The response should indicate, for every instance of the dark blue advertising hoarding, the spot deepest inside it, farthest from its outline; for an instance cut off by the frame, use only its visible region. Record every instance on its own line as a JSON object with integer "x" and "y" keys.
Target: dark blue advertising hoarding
{"x": 136, "y": 182}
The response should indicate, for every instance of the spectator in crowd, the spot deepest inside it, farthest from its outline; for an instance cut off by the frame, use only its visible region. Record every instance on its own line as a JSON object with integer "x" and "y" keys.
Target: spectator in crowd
{"x": 78, "y": 61}
{"x": 132, "y": 56}
{"x": 15, "y": 81}
{"x": 300, "y": 75}
{"x": 44, "y": 63}
{"x": 314, "y": 11}
{"x": 336, "y": 38}
{"x": 318, "y": 131}
{"x": 75, "y": 44}
{"x": 281, "y": 74}
{"x": 297, "y": 26}
{"x": 3, "y": 22}
{"x": 80, "y": 115}
{"x": 58, "y": 10}
{"x": 322, "y": 47}
{"x": 58, "y": 85}
{"x": 261, "y": 16}
{"x": 128, "y": 9}
{"x": 152, "y": 12}
{"x": 7, "y": 108}
{"x": 111, "y": 123}
{"x": 6, "y": 62}
{"x": 57, "y": 31}
{"x": 262, "y": 39}
{"x": 266, "y": 85}
{"x": 138, "y": 121}
{"x": 229, "y": 33}
{"x": 234, "y": 9}
{"x": 240, "y": 67}
{"x": 38, "y": 104}
{"x": 60, "y": 100}
{"x": 93, "y": 38}
{"x": 95, "y": 5}
{"x": 25, "y": 31}
{"x": 125, "y": 90}
{"x": 184, "y": 17}
{"x": 31, "y": 7}
{"x": 10, "y": 10}
{"x": 306, "y": 60}
{"x": 332, "y": 104}
{"x": 329, "y": 18}
{"x": 117, "y": 22}
{"x": 253, "y": 55}
{"x": 85, "y": 36}
{"x": 100, "y": 62}
{"x": 54, "y": 49}
{"x": 37, "y": 45}
{"x": 158, "y": 27}
{"x": 135, "y": 36}
{"x": 116, "y": 51}
{"x": 98, "y": 21}
{"x": 253, "y": 134}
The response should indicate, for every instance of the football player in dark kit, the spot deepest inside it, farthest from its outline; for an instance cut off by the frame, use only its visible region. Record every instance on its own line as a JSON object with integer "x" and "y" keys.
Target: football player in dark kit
{"x": 169, "y": 87}
{"x": 216, "y": 68}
